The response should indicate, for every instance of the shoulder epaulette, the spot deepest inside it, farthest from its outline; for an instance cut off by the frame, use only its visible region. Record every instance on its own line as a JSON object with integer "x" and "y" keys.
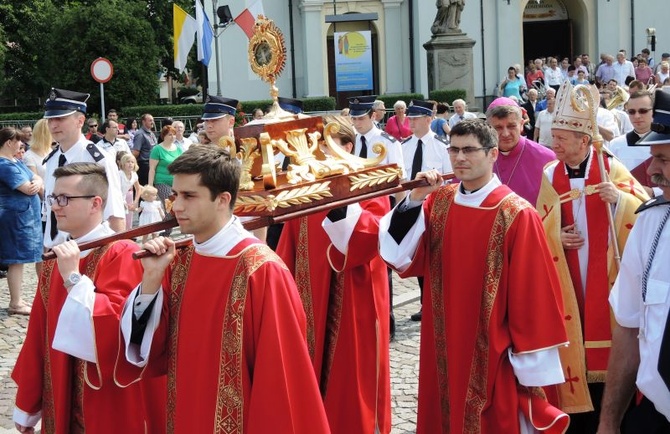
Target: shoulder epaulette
{"x": 655, "y": 201}
{"x": 407, "y": 139}
{"x": 442, "y": 140}
{"x": 96, "y": 153}
{"x": 388, "y": 136}
{"x": 51, "y": 154}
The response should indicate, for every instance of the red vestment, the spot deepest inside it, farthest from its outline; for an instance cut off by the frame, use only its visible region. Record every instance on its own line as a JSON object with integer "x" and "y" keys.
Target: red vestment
{"x": 73, "y": 394}
{"x": 490, "y": 285}
{"x": 345, "y": 298}
{"x": 233, "y": 335}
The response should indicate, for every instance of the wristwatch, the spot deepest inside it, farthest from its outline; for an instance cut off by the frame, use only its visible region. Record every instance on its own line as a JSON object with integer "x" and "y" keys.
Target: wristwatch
{"x": 72, "y": 279}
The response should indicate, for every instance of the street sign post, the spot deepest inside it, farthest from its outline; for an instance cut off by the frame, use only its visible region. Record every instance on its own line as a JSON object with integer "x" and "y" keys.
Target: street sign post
{"x": 102, "y": 71}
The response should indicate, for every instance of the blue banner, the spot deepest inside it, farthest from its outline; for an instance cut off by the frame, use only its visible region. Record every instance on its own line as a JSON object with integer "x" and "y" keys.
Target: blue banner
{"x": 353, "y": 61}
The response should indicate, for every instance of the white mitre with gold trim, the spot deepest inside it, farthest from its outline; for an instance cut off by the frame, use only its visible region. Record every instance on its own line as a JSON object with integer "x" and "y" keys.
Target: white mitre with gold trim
{"x": 576, "y": 108}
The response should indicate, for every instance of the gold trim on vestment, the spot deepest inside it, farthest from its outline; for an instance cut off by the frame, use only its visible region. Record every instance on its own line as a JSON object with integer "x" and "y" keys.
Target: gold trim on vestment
{"x": 333, "y": 323}
{"x": 438, "y": 218}
{"x": 303, "y": 281}
{"x": 229, "y": 418}
{"x": 48, "y": 409}
{"x": 179, "y": 274}
{"x": 598, "y": 344}
{"x": 477, "y": 395}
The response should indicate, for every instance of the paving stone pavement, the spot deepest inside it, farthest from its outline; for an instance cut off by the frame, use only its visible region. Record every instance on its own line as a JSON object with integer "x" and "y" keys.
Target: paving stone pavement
{"x": 404, "y": 352}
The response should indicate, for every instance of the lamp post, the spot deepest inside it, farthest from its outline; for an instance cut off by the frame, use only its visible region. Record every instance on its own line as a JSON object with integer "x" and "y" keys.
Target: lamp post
{"x": 651, "y": 40}
{"x": 225, "y": 19}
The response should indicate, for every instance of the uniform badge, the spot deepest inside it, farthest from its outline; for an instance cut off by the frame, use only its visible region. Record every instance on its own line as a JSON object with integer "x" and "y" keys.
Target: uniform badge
{"x": 52, "y": 95}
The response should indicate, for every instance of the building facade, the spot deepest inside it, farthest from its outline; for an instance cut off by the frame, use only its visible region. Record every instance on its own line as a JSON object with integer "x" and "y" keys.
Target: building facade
{"x": 506, "y": 32}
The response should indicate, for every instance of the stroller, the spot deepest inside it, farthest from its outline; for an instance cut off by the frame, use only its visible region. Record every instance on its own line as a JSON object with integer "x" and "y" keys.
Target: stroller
{"x": 538, "y": 85}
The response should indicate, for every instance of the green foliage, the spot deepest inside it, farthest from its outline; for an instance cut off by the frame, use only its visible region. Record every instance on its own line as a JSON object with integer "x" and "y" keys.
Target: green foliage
{"x": 21, "y": 116}
{"x": 175, "y": 111}
{"x": 27, "y": 61}
{"x": 391, "y": 99}
{"x": 116, "y": 30}
{"x": 447, "y": 95}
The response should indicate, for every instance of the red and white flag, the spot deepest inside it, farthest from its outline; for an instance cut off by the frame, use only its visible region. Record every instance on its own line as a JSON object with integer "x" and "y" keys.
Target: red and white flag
{"x": 247, "y": 18}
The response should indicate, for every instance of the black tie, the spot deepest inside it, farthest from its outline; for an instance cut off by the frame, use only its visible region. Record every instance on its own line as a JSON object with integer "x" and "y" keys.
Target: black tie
{"x": 285, "y": 163}
{"x": 364, "y": 148}
{"x": 54, "y": 228}
{"x": 418, "y": 159}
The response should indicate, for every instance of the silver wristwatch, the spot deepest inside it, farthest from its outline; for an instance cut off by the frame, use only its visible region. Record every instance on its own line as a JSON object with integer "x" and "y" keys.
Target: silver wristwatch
{"x": 72, "y": 279}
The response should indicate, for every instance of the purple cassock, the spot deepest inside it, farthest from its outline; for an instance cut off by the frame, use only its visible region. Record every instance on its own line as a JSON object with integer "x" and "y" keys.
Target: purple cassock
{"x": 521, "y": 169}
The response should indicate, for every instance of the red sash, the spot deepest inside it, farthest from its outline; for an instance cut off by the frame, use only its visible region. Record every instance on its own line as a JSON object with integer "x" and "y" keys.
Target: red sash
{"x": 593, "y": 302}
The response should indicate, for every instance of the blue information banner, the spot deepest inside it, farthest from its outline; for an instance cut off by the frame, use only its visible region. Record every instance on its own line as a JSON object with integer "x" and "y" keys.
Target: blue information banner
{"x": 353, "y": 61}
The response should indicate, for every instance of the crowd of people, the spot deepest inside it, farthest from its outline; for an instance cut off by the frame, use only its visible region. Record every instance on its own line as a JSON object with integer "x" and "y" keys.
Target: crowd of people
{"x": 520, "y": 260}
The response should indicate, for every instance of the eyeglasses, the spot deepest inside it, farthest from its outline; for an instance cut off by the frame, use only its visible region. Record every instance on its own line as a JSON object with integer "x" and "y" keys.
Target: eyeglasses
{"x": 64, "y": 200}
{"x": 642, "y": 111}
{"x": 467, "y": 150}
{"x": 93, "y": 126}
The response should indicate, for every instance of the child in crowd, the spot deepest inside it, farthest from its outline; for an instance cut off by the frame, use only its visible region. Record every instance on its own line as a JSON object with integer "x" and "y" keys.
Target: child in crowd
{"x": 151, "y": 208}
{"x": 128, "y": 179}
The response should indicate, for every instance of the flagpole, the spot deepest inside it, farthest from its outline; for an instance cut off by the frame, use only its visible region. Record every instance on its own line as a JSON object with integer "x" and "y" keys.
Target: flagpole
{"x": 215, "y": 4}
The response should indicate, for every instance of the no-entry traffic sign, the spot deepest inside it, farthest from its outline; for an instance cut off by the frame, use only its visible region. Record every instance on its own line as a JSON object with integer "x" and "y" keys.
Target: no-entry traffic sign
{"x": 102, "y": 70}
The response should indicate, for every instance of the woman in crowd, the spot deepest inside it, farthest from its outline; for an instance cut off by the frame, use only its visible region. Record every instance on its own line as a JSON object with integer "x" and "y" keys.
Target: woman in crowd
{"x": 512, "y": 85}
{"x": 131, "y": 130}
{"x": 398, "y": 124}
{"x": 161, "y": 156}
{"x": 643, "y": 72}
{"x": 40, "y": 146}
{"x": 20, "y": 234}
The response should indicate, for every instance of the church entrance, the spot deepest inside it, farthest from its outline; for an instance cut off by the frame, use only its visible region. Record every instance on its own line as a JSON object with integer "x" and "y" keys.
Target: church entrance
{"x": 547, "y": 30}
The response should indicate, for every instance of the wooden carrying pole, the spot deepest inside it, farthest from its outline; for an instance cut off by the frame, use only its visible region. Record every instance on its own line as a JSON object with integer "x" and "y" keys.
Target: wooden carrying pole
{"x": 255, "y": 223}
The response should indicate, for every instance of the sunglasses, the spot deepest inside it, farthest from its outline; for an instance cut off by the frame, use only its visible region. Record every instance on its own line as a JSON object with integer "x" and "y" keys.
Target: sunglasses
{"x": 642, "y": 111}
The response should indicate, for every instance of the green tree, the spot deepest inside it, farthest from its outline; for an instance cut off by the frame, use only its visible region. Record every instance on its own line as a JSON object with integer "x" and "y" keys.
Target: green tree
{"x": 25, "y": 56}
{"x": 118, "y": 31}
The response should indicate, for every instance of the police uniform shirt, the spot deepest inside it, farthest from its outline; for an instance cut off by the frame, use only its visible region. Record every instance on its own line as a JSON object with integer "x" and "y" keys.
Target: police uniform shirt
{"x": 393, "y": 148}
{"x": 80, "y": 154}
{"x": 435, "y": 155}
{"x": 650, "y": 314}
{"x": 112, "y": 149}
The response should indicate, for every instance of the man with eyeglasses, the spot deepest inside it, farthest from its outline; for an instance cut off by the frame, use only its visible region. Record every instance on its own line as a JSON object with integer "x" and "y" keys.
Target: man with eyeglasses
{"x": 574, "y": 202}
{"x": 64, "y": 371}
{"x": 65, "y": 112}
{"x": 626, "y": 148}
{"x": 493, "y": 322}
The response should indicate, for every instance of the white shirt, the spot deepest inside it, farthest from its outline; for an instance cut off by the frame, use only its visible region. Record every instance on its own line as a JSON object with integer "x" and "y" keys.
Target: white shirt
{"x": 78, "y": 153}
{"x": 456, "y": 118}
{"x": 649, "y": 316}
{"x": 630, "y": 156}
{"x": 623, "y": 70}
{"x": 553, "y": 76}
{"x": 112, "y": 149}
{"x": 543, "y": 122}
{"x": 393, "y": 147}
{"x": 435, "y": 155}
{"x": 183, "y": 144}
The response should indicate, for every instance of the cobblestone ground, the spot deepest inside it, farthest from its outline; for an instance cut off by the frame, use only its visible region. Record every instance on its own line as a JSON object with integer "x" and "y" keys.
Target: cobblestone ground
{"x": 404, "y": 352}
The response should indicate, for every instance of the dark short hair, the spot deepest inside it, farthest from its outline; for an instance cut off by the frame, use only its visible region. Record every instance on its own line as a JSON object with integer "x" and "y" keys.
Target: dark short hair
{"x": 105, "y": 125}
{"x": 486, "y": 135}
{"x": 218, "y": 171}
{"x": 10, "y": 133}
{"x": 442, "y": 108}
{"x": 93, "y": 178}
